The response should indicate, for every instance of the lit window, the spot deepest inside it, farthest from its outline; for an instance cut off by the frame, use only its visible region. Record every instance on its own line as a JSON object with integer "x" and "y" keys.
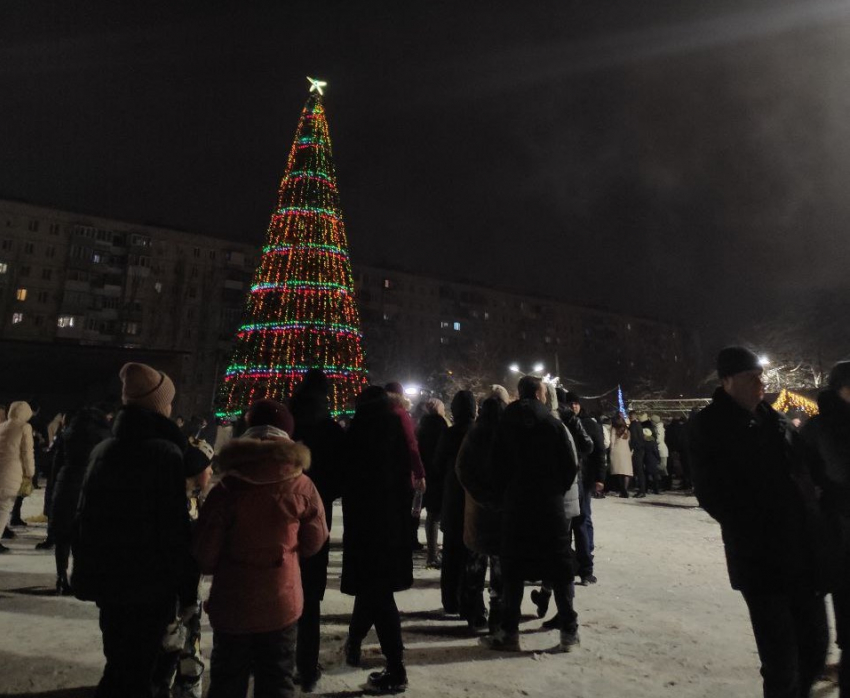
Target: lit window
{"x": 386, "y": 316}
{"x": 96, "y": 258}
{"x": 3, "y": 267}
{"x": 131, "y": 328}
{"x": 456, "y": 327}
{"x": 486, "y": 315}
{"x": 65, "y": 321}
{"x": 21, "y": 294}
{"x": 629, "y": 326}
{"x": 158, "y": 287}
{"x": 17, "y": 318}
{"x": 444, "y": 340}
{"x": 388, "y": 283}
{"x": 444, "y": 325}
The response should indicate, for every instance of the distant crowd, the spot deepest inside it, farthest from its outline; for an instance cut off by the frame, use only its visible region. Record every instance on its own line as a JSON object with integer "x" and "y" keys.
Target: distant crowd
{"x": 145, "y": 504}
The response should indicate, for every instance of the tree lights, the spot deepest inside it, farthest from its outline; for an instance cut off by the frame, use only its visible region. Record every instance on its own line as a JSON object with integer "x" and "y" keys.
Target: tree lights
{"x": 301, "y": 311}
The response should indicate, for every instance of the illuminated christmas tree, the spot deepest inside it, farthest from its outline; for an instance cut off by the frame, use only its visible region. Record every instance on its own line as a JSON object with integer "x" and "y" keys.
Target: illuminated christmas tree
{"x": 301, "y": 312}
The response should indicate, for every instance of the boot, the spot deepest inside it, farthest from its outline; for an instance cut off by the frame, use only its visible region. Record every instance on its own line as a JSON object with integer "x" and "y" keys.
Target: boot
{"x": 9, "y": 534}
{"x": 501, "y": 642}
{"x": 541, "y": 598}
{"x": 63, "y": 586}
{"x": 569, "y": 641}
{"x": 46, "y": 544}
{"x": 351, "y": 650}
{"x": 391, "y": 680}
{"x": 308, "y": 682}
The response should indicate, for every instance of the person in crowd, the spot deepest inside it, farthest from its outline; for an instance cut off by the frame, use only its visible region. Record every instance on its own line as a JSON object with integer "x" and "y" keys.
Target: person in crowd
{"x": 401, "y": 406}
{"x": 482, "y": 517}
{"x": 54, "y": 427}
{"x": 621, "y": 454}
{"x": 432, "y": 426}
{"x": 535, "y": 464}
{"x": 316, "y": 429}
{"x": 180, "y": 666}
{"x": 86, "y": 429}
{"x": 827, "y": 436}
{"x": 54, "y": 454}
{"x": 686, "y": 450}
{"x": 750, "y": 477}
{"x": 651, "y": 455}
{"x": 252, "y": 528}
{"x": 132, "y": 535}
{"x": 593, "y": 473}
{"x": 17, "y": 460}
{"x": 455, "y": 553}
{"x": 672, "y": 438}
{"x": 377, "y": 559}
{"x": 636, "y": 443}
{"x": 666, "y": 479}
{"x": 572, "y": 499}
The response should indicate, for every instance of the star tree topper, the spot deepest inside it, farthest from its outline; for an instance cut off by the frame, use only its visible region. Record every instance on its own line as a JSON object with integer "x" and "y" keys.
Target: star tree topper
{"x": 317, "y": 85}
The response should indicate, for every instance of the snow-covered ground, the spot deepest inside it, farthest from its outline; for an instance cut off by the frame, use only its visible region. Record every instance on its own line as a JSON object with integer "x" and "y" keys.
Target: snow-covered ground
{"x": 661, "y": 621}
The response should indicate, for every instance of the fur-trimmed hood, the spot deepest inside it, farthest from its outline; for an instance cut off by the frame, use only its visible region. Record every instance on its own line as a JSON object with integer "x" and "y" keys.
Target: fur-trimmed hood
{"x": 263, "y": 458}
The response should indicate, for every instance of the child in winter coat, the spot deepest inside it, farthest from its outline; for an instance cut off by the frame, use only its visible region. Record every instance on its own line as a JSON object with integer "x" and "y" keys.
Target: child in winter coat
{"x": 252, "y": 529}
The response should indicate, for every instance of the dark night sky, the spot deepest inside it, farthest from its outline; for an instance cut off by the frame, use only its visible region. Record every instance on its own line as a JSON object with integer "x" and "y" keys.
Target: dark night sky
{"x": 688, "y": 160}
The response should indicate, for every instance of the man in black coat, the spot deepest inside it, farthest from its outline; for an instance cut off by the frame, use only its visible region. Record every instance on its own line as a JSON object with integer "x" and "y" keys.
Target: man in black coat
{"x": 133, "y": 532}
{"x": 593, "y": 471}
{"x": 535, "y": 464}
{"x": 827, "y": 436}
{"x": 750, "y": 477}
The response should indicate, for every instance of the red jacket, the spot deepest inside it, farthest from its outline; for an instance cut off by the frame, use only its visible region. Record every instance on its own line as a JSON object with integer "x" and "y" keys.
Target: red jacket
{"x": 252, "y": 529}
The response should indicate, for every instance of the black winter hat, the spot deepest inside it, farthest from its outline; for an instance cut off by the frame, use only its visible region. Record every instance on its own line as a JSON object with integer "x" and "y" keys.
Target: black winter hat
{"x": 732, "y": 360}
{"x": 839, "y": 376}
{"x": 569, "y": 398}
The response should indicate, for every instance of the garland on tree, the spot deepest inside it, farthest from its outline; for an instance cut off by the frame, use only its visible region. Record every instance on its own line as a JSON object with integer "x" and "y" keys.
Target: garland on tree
{"x": 301, "y": 313}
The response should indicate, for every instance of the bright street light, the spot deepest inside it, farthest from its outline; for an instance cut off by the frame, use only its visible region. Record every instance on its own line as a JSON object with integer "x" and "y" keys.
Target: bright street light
{"x": 412, "y": 390}
{"x": 538, "y": 368}
{"x": 514, "y": 368}
{"x": 764, "y": 361}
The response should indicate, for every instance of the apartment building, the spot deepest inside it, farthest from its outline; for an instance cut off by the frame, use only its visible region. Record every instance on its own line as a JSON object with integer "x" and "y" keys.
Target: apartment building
{"x": 70, "y": 278}
{"x": 74, "y": 279}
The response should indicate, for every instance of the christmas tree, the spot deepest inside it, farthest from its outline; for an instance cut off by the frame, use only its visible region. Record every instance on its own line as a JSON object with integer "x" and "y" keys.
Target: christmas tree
{"x": 301, "y": 312}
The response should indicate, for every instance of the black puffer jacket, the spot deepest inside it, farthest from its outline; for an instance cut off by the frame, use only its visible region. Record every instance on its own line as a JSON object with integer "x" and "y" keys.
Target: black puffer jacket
{"x": 133, "y": 523}
{"x": 535, "y": 464}
{"x": 827, "y": 437}
{"x": 86, "y": 430}
{"x": 750, "y": 476}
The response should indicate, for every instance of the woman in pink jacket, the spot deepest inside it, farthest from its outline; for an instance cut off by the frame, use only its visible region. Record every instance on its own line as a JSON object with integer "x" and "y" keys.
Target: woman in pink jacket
{"x": 255, "y": 524}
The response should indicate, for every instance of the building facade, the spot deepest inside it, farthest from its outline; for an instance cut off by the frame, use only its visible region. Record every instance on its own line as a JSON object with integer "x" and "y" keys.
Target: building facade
{"x": 71, "y": 278}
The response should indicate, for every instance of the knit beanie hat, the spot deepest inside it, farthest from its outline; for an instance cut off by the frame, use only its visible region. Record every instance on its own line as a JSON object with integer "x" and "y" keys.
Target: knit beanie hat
{"x": 199, "y": 455}
{"x": 839, "y": 376}
{"x": 146, "y": 387}
{"x": 270, "y": 413}
{"x": 395, "y": 388}
{"x": 732, "y": 360}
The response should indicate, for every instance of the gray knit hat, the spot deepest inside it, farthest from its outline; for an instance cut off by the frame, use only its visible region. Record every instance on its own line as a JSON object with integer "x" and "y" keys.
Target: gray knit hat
{"x": 146, "y": 387}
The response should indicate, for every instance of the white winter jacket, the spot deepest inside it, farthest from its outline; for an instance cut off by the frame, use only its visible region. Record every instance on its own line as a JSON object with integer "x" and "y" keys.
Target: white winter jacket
{"x": 17, "y": 458}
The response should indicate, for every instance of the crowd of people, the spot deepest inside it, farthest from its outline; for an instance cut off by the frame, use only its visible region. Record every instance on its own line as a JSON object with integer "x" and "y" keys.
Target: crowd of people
{"x": 145, "y": 505}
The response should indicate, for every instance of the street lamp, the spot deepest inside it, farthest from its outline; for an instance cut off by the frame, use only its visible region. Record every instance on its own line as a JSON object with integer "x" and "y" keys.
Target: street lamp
{"x": 412, "y": 390}
{"x": 764, "y": 361}
{"x": 514, "y": 368}
{"x": 538, "y": 368}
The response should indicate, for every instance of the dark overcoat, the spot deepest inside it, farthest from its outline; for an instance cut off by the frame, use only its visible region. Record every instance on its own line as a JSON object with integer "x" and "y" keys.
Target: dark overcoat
{"x": 749, "y": 475}
{"x": 377, "y": 553}
{"x": 535, "y": 465}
